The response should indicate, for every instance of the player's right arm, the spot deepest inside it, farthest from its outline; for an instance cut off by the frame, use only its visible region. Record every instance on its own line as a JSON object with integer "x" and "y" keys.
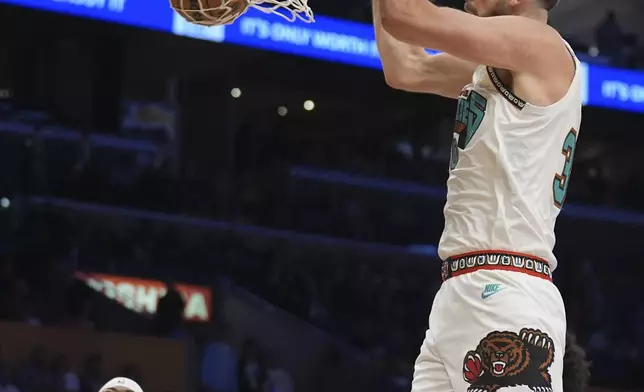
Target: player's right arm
{"x": 410, "y": 68}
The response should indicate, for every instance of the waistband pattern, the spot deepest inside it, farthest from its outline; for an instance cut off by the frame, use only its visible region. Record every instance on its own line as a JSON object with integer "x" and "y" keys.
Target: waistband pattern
{"x": 495, "y": 260}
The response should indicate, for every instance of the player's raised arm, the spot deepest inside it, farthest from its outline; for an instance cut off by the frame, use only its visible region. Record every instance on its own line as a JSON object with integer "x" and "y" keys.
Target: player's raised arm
{"x": 408, "y": 67}
{"x": 514, "y": 43}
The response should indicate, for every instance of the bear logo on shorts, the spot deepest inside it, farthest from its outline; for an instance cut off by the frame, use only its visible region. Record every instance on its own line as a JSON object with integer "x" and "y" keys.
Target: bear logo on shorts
{"x": 507, "y": 359}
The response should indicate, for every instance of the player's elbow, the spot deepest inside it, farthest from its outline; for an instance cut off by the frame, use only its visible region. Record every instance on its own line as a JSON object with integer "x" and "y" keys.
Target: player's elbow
{"x": 408, "y": 74}
{"x": 398, "y": 82}
{"x": 394, "y": 80}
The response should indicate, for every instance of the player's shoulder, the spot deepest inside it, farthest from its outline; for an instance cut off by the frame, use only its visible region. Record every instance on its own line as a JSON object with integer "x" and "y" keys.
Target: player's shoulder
{"x": 535, "y": 31}
{"x": 539, "y": 44}
{"x": 554, "y": 68}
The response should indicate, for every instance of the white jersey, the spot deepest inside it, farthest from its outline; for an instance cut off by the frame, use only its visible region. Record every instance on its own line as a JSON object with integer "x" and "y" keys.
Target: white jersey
{"x": 509, "y": 169}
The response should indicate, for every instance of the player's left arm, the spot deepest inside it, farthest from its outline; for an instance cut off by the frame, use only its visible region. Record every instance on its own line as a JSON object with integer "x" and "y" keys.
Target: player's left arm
{"x": 513, "y": 43}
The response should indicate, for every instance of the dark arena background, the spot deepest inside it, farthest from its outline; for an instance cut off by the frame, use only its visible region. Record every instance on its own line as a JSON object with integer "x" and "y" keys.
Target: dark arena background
{"x": 250, "y": 208}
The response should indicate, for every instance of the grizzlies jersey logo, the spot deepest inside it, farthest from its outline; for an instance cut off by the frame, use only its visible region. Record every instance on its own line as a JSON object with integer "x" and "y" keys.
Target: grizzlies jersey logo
{"x": 507, "y": 359}
{"x": 470, "y": 112}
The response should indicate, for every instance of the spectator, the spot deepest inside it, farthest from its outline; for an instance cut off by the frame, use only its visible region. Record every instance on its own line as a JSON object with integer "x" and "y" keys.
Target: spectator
{"x": 608, "y": 36}
{"x": 167, "y": 322}
{"x": 63, "y": 377}
{"x": 252, "y": 372}
{"x": 279, "y": 380}
{"x": 219, "y": 363}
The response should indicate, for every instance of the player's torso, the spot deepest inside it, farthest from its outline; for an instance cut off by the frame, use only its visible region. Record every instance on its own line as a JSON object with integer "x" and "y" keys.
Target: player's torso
{"x": 509, "y": 169}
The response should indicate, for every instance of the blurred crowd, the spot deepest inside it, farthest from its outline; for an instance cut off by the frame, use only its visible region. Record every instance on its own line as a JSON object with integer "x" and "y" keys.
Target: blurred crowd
{"x": 303, "y": 190}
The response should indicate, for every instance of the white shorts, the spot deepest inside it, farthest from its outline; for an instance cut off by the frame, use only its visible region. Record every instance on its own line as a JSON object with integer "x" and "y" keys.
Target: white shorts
{"x": 497, "y": 321}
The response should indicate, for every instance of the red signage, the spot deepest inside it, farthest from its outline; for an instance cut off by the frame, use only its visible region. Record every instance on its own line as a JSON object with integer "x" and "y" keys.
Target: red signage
{"x": 142, "y": 295}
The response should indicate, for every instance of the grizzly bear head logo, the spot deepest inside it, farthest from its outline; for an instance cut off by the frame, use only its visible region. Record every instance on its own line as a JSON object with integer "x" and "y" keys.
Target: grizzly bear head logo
{"x": 503, "y": 354}
{"x": 504, "y": 359}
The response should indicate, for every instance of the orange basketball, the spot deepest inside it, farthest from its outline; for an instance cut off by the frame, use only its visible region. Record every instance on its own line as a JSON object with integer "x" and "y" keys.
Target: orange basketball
{"x": 210, "y": 12}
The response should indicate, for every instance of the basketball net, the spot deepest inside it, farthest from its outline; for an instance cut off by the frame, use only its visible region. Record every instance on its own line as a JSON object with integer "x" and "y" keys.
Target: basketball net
{"x": 290, "y": 10}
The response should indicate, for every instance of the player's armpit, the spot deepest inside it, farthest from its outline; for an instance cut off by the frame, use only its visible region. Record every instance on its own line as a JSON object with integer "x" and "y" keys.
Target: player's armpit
{"x": 441, "y": 74}
{"x": 514, "y": 43}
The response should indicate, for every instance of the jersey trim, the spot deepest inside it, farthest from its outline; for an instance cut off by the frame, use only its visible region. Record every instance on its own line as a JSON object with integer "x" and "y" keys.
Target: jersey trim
{"x": 572, "y": 55}
{"x": 495, "y": 260}
{"x": 505, "y": 93}
{"x": 496, "y": 251}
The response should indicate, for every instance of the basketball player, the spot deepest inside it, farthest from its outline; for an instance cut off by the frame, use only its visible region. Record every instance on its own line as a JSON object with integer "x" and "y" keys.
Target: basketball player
{"x": 498, "y": 320}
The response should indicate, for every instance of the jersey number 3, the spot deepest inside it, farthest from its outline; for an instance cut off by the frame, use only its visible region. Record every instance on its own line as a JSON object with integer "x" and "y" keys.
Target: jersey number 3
{"x": 560, "y": 182}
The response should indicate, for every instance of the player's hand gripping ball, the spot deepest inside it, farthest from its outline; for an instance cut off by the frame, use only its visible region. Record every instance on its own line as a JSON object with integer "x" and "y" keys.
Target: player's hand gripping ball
{"x": 210, "y": 12}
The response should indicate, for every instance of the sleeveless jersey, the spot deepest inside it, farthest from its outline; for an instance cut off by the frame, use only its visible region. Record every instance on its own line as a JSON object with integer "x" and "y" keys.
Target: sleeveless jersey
{"x": 509, "y": 169}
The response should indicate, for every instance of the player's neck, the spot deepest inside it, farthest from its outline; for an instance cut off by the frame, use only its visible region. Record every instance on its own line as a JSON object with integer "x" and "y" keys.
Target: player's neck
{"x": 535, "y": 13}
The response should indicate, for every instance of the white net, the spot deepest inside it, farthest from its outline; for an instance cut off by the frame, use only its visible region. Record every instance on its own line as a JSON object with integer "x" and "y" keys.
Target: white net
{"x": 290, "y": 10}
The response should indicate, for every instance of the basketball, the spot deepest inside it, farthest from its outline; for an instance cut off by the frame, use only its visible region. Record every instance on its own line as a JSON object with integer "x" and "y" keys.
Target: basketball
{"x": 210, "y": 12}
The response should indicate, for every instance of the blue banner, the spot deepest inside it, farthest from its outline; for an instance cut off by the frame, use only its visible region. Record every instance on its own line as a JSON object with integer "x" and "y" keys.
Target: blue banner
{"x": 328, "y": 39}
{"x": 155, "y": 15}
{"x": 615, "y": 88}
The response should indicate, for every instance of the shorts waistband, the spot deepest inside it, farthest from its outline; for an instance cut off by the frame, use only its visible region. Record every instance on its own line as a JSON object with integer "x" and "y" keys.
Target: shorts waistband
{"x": 495, "y": 260}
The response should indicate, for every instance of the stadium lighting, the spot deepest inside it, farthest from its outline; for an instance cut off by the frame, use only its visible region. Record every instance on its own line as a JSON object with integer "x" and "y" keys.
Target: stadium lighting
{"x": 235, "y": 93}
{"x": 309, "y": 105}
{"x": 282, "y": 111}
